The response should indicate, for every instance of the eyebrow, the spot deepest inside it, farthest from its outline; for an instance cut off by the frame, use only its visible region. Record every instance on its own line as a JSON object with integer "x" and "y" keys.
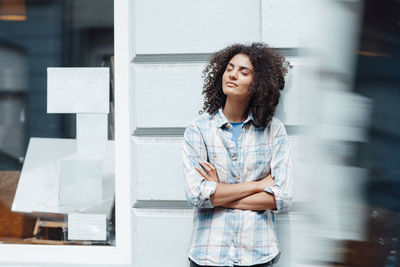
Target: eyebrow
{"x": 240, "y": 67}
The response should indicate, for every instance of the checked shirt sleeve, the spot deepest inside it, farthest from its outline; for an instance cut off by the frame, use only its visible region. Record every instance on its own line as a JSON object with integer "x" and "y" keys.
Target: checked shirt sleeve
{"x": 197, "y": 189}
{"x": 281, "y": 170}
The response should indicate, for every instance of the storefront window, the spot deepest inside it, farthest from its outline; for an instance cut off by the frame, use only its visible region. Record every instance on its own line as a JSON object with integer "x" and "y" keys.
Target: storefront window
{"x": 57, "y": 171}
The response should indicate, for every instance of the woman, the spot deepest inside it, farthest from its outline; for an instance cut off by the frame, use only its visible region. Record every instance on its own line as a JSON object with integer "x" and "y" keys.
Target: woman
{"x": 237, "y": 160}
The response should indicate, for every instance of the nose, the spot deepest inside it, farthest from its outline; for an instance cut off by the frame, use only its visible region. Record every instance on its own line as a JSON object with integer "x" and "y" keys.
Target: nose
{"x": 233, "y": 75}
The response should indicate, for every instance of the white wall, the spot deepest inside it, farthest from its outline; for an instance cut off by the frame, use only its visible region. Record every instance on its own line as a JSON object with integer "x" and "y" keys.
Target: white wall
{"x": 179, "y": 26}
{"x": 171, "y": 42}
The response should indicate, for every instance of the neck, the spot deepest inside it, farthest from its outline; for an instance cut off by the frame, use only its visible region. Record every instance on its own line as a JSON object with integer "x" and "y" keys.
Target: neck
{"x": 235, "y": 110}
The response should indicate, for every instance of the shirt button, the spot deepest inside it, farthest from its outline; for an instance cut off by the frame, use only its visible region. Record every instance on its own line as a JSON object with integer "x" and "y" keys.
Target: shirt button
{"x": 262, "y": 152}
{"x": 233, "y": 155}
{"x": 238, "y": 177}
{"x": 215, "y": 155}
{"x": 235, "y": 234}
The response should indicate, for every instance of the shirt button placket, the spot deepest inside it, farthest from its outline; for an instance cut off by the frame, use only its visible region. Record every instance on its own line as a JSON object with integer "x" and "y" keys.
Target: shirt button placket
{"x": 236, "y": 258}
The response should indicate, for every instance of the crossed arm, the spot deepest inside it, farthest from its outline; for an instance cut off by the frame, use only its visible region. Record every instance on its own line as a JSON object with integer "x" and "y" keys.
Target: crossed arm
{"x": 244, "y": 196}
{"x": 203, "y": 189}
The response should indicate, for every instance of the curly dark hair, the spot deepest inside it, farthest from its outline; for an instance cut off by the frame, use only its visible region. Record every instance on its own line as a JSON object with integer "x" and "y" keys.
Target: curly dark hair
{"x": 270, "y": 69}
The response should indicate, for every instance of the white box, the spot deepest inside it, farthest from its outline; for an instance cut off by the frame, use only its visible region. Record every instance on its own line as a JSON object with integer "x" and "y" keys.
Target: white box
{"x": 91, "y": 135}
{"x": 80, "y": 183}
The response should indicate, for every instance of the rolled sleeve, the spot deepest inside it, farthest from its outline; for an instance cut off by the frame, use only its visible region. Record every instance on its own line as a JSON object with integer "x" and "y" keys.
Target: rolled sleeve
{"x": 283, "y": 200}
{"x": 281, "y": 171}
{"x": 199, "y": 197}
{"x": 197, "y": 189}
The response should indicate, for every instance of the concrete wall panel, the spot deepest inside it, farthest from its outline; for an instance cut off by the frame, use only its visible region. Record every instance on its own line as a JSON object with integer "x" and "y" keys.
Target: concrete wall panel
{"x": 179, "y": 26}
{"x": 289, "y": 23}
{"x": 166, "y": 95}
{"x": 158, "y": 172}
{"x": 161, "y": 237}
{"x": 157, "y": 168}
{"x": 162, "y": 91}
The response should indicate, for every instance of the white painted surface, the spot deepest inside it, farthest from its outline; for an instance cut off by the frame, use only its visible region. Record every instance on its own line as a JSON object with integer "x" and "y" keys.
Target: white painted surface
{"x": 92, "y": 135}
{"x": 157, "y": 168}
{"x": 161, "y": 237}
{"x": 282, "y": 24}
{"x": 78, "y": 90}
{"x": 60, "y": 256}
{"x": 288, "y": 109}
{"x": 166, "y": 95}
{"x": 38, "y": 186}
{"x": 162, "y": 91}
{"x": 158, "y": 173}
{"x": 123, "y": 158}
{"x": 289, "y": 23}
{"x": 179, "y": 26}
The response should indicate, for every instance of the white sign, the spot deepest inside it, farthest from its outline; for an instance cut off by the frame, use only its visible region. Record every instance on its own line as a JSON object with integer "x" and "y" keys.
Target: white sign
{"x": 78, "y": 90}
{"x": 87, "y": 227}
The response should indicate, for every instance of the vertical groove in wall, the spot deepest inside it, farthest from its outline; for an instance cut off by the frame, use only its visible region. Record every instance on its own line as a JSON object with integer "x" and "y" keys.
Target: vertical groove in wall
{"x": 261, "y": 20}
{"x": 132, "y": 8}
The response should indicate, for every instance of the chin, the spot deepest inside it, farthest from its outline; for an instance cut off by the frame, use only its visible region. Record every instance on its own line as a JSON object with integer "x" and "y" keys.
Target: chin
{"x": 234, "y": 95}
{"x": 229, "y": 91}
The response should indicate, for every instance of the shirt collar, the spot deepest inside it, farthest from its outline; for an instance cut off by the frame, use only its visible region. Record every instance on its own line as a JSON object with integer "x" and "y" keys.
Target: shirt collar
{"x": 221, "y": 120}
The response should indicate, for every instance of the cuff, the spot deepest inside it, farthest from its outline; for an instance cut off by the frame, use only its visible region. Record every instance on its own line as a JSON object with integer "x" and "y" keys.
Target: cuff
{"x": 283, "y": 201}
{"x": 209, "y": 189}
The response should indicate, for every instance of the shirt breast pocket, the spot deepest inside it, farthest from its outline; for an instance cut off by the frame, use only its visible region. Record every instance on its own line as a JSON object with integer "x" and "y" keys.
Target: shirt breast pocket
{"x": 258, "y": 162}
{"x": 218, "y": 159}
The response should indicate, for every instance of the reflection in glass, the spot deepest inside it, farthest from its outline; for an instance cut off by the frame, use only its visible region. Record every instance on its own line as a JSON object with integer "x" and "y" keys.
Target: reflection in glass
{"x": 35, "y": 36}
{"x": 12, "y": 10}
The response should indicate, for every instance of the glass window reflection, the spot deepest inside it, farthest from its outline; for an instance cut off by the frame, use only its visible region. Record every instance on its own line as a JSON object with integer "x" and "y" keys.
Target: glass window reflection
{"x": 36, "y": 35}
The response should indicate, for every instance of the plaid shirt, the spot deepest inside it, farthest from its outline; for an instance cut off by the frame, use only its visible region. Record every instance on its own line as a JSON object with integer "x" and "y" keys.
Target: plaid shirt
{"x": 222, "y": 236}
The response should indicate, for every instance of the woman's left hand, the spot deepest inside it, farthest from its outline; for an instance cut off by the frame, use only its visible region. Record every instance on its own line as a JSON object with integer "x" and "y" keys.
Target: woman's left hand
{"x": 209, "y": 172}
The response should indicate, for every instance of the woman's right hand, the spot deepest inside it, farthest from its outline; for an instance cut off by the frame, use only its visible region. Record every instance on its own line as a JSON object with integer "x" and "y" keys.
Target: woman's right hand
{"x": 267, "y": 181}
{"x": 209, "y": 172}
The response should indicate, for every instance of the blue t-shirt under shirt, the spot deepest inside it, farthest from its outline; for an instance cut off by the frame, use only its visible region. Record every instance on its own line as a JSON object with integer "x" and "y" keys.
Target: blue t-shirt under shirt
{"x": 237, "y": 127}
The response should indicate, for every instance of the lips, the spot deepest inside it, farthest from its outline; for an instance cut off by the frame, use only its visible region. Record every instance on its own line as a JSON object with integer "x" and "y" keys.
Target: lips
{"x": 231, "y": 84}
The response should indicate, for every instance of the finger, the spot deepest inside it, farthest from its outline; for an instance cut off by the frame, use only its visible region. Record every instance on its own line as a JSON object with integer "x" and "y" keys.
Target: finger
{"x": 204, "y": 165}
{"x": 211, "y": 168}
{"x": 210, "y": 165}
{"x": 202, "y": 173}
